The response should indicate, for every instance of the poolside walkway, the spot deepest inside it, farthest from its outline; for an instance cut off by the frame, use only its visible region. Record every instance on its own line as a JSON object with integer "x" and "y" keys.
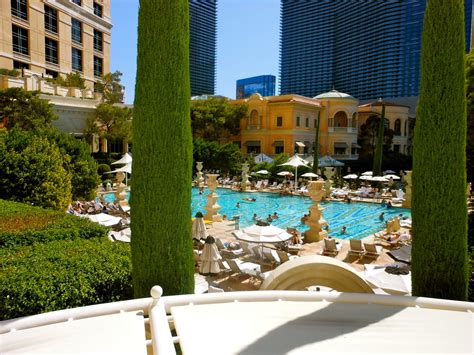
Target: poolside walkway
{"x": 223, "y": 231}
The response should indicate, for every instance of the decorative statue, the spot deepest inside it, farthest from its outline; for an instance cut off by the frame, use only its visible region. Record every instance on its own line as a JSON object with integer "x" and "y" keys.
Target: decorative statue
{"x": 315, "y": 220}
{"x": 212, "y": 207}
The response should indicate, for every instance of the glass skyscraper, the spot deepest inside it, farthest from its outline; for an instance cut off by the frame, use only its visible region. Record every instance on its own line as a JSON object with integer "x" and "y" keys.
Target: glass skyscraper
{"x": 263, "y": 84}
{"x": 368, "y": 49}
{"x": 202, "y": 47}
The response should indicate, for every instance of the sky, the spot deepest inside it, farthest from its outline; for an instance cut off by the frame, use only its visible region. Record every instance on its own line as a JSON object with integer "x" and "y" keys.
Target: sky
{"x": 247, "y": 42}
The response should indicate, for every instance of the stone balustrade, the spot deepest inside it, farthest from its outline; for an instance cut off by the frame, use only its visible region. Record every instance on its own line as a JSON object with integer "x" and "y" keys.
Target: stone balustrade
{"x": 34, "y": 82}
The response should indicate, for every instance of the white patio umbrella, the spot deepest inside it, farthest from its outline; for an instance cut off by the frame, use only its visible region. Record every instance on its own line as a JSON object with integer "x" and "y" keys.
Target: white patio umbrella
{"x": 284, "y": 173}
{"x": 368, "y": 173}
{"x": 124, "y": 169}
{"x": 390, "y": 283}
{"x": 379, "y": 178}
{"x": 295, "y": 161}
{"x": 126, "y": 158}
{"x": 263, "y": 158}
{"x": 365, "y": 177}
{"x": 310, "y": 175}
{"x": 209, "y": 259}
{"x": 262, "y": 234}
{"x": 327, "y": 160}
{"x": 350, "y": 176}
{"x": 199, "y": 227}
{"x": 263, "y": 172}
{"x": 391, "y": 176}
{"x": 390, "y": 172}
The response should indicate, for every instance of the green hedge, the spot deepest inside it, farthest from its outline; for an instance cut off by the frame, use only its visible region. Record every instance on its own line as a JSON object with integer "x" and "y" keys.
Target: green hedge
{"x": 63, "y": 274}
{"x": 22, "y": 224}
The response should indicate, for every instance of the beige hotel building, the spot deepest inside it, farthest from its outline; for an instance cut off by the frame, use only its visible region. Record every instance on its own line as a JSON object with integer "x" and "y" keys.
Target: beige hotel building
{"x": 56, "y": 37}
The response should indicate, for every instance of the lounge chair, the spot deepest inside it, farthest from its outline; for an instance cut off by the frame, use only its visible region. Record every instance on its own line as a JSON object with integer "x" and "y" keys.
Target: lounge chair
{"x": 372, "y": 250}
{"x": 330, "y": 247}
{"x": 268, "y": 255}
{"x": 356, "y": 247}
{"x": 243, "y": 267}
{"x": 222, "y": 248}
{"x": 284, "y": 256}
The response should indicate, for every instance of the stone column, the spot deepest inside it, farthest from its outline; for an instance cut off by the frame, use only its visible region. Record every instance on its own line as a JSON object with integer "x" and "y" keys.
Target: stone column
{"x": 212, "y": 207}
{"x": 199, "y": 178}
{"x": 327, "y": 184}
{"x": 245, "y": 177}
{"x": 407, "y": 178}
{"x": 316, "y": 220}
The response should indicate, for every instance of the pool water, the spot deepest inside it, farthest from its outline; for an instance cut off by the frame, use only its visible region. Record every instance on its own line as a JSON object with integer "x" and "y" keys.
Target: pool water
{"x": 361, "y": 219}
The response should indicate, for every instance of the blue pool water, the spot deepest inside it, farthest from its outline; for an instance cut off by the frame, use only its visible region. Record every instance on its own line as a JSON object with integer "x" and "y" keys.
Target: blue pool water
{"x": 361, "y": 219}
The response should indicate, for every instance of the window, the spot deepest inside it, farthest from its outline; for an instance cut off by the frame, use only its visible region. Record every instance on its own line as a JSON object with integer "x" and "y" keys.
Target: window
{"x": 398, "y": 127}
{"x": 279, "y": 147}
{"x": 77, "y": 2}
{"x": 19, "y": 9}
{"x": 97, "y": 9}
{"x": 76, "y": 30}
{"x": 76, "y": 59}
{"x": 115, "y": 146}
{"x": 98, "y": 40}
{"x": 52, "y": 73}
{"x": 396, "y": 148}
{"x": 307, "y": 122}
{"x": 297, "y": 121}
{"x": 51, "y": 50}
{"x": 98, "y": 66}
{"x": 50, "y": 19}
{"x": 20, "y": 65}
{"x": 20, "y": 40}
{"x": 279, "y": 121}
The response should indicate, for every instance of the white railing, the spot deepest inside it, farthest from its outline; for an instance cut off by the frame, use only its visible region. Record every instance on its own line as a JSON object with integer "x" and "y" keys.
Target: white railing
{"x": 158, "y": 309}
{"x": 37, "y": 83}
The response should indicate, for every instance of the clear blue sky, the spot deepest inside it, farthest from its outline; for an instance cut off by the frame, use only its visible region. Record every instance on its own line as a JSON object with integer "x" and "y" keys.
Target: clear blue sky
{"x": 247, "y": 42}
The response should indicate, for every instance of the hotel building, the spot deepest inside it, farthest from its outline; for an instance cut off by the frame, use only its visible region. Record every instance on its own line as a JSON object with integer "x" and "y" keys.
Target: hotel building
{"x": 368, "y": 48}
{"x": 202, "y": 46}
{"x": 263, "y": 85}
{"x": 53, "y": 37}
{"x": 287, "y": 124}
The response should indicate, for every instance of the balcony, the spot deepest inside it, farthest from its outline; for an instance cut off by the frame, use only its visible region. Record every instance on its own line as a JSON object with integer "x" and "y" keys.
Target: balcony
{"x": 351, "y": 130}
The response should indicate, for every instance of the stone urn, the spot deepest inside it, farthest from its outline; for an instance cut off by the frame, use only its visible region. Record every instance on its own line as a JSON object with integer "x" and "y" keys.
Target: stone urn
{"x": 315, "y": 220}
{"x": 212, "y": 207}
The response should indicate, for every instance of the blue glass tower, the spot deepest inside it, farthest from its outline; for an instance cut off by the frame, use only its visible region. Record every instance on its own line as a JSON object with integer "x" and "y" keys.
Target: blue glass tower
{"x": 202, "y": 46}
{"x": 369, "y": 49}
{"x": 263, "y": 84}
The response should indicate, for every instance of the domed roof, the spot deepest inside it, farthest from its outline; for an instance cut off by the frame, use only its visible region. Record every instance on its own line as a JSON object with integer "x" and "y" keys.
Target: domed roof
{"x": 333, "y": 94}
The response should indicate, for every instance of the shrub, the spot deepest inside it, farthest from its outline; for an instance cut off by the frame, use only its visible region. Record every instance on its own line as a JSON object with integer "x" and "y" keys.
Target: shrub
{"x": 33, "y": 171}
{"x": 21, "y": 224}
{"x": 103, "y": 168}
{"x": 10, "y": 72}
{"x": 63, "y": 274}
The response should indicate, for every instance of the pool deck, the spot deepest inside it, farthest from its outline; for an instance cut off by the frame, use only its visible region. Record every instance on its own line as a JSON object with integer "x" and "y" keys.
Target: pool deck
{"x": 223, "y": 231}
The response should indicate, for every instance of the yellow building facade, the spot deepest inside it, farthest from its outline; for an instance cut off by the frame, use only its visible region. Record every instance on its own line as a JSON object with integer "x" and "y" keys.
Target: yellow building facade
{"x": 287, "y": 124}
{"x": 53, "y": 37}
{"x": 398, "y": 119}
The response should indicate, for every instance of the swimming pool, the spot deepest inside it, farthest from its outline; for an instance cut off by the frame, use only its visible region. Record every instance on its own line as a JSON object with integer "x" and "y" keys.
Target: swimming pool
{"x": 361, "y": 219}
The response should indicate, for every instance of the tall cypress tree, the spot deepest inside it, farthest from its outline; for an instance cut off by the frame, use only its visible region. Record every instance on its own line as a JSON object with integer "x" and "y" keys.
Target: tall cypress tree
{"x": 377, "y": 168}
{"x": 439, "y": 254}
{"x": 316, "y": 148}
{"x": 162, "y": 151}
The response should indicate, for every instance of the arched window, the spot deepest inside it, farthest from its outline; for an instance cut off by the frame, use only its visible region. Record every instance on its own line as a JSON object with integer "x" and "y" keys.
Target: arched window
{"x": 398, "y": 127}
{"x": 340, "y": 119}
{"x": 253, "y": 118}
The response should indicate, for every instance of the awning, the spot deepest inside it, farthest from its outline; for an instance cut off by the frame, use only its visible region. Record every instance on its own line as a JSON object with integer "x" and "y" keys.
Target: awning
{"x": 340, "y": 145}
{"x": 300, "y": 144}
{"x": 355, "y": 145}
{"x": 252, "y": 143}
{"x": 278, "y": 144}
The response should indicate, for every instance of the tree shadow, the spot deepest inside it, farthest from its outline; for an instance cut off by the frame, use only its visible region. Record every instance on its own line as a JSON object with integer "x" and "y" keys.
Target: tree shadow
{"x": 335, "y": 320}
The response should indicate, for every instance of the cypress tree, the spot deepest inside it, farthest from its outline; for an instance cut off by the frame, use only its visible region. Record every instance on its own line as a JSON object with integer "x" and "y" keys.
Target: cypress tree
{"x": 316, "y": 148}
{"x": 162, "y": 151}
{"x": 439, "y": 254}
{"x": 377, "y": 168}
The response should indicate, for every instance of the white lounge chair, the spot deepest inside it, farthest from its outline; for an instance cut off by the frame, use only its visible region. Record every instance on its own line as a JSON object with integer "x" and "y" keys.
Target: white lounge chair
{"x": 356, "y": 247}
{"x": 372, "y": 250}
{"x": 330, "y": 247}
